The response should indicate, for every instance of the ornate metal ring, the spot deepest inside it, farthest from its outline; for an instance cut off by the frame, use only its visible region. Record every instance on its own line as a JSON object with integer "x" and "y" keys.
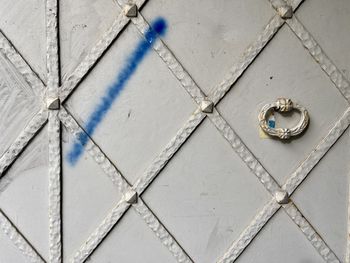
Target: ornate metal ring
{"x": 283, "y": 105}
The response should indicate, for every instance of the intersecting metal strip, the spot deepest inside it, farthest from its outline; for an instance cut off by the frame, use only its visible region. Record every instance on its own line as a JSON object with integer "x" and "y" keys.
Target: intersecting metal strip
{"x": 98, "y": 235}
{"x": 21, "y": 65}
{"x": 55, "y": 238}
{"x": 316, "y": 155}
{"x": 310, "y": 233}
{"x": 244, "y": 153}
{"x": 248, "y": 56}
{"x": 110, "y": 170}
{"x": 157, "y": 227}
{"x": 171, "y": 61}
{"x": 146, "y": 214}
{"x": 18, "y": 240}
{"x": 22, "y": 140}
{"x": 292, "y": 183}
{"x": 250, "y": 232}
{"x": 321, "y": 58}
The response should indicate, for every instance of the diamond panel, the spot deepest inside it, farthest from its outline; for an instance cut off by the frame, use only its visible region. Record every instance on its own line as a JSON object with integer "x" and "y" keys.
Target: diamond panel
{"x": 144, "y": 117}
{"x": 284, "y": 69}
{"x": 206, "y": 195}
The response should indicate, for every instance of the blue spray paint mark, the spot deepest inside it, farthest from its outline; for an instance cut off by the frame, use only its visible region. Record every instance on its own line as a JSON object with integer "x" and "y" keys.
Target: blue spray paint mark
{"x": 158, "y": 28}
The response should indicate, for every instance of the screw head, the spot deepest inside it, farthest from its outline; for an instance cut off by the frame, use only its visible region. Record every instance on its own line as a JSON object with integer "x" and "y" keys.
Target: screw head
{"x": 53, "y": 103}
{"x": 207, "y": 106}
{"x": 131, "y": 197}
{"x": 285, "y": 11}
{"x": 131, "y": 10}
{"x": 282, "y": 197}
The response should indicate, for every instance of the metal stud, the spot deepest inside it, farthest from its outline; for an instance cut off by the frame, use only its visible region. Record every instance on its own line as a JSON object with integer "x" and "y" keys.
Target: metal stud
{"x": 53, "y": 103}
{"x": 285, "y": 11}
{"x": 131, "y": 10}
{"x": 282, "y": 197}
{"x": 207, "y": 106}
{"x": 131, "y": 197}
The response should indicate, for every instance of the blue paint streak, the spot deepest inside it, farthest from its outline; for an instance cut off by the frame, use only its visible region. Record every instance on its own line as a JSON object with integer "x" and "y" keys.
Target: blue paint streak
{"x": 158, "y": 28}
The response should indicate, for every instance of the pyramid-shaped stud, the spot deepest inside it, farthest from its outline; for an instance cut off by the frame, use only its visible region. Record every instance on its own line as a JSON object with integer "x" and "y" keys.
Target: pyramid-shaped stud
{"x": 131, "y": 197}
{"x": 131, "y": 10}
{"x": 207, "y": 106}
{"x": 53, "y": 103}
{"x": 282, "y": 197}
{"x": 285, "y": 11}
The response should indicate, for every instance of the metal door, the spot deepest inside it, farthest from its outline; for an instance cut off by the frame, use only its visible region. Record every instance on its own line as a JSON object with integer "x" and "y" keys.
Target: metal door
{"x": 130, "y": 132}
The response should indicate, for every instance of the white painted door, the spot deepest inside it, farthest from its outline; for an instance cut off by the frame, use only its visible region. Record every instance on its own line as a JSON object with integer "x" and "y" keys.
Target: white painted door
{"x": 130, "y": 133}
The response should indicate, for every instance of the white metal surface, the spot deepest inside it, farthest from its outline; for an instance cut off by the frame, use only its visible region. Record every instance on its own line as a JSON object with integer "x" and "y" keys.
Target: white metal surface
{"x": 176, "y": 171}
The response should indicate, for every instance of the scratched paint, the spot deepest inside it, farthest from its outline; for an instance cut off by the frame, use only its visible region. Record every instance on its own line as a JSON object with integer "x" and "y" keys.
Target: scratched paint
{"x": 157, "y": 28}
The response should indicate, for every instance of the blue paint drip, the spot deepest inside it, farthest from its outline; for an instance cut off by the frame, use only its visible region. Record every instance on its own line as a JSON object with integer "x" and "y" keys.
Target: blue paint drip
{"x": 158, "y": 28}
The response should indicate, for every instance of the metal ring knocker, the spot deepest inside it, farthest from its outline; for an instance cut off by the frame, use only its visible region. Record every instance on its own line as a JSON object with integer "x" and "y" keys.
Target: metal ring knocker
{"x": 283, "y": 105}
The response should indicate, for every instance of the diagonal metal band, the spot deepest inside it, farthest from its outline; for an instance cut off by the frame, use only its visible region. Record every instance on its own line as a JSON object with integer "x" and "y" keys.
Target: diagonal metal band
{"x": 21, "y": 65}
{"x": 22, "y": 140}
{"x": 270, "y": 208}
{"x": 335, "y": 75}
{"x": 19, "y": 240}
{"x": 120, "y": 182}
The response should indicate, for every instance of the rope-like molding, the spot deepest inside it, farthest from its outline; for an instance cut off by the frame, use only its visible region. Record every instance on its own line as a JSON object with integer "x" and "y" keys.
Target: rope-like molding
{"x": 28, "y": 133}
{"x": 316, "y": 155}
{"x": 161, "y": 232}
{"x": 247, "y": 58}
{"x": 19, "y": 240}
{"x": 310, "y": 233}
{"x": 335, "y": 75}
{"x": 168, "y": 152}
{"x": 21, "y": 65}
{"x": 243, "y": 152}
{"x": 110, "y": 170}
{"x": 119, "y": 181}
{"x": 172, "y": 62}
{"x": 250, "y": 232}
{"x": 101, "y": 231}
{"x": 54, "y": 134}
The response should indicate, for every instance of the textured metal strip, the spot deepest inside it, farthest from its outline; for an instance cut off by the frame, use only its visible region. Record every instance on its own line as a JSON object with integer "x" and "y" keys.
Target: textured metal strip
{"x": 248, "y": 56}
{"x": 171, "y": 61}
{"x": 243, "y": 152}
{"x": 316, "y": 155}
{"x": 52, "y": 47}
{"x": 321, "y": 58}
{"x": 171, "y": 148}
{"x": 21, "y": 65}
{"x": 18, "y": 240}
{"x": 98, "y": 235}
{"x": 161, "y": 232}
{"x": 310, "y": 233}
{"x": 250, "y": 232}
{"x": 115, "y": 176}
{"x": 22, "y": 140}
{"x": 110, "y": 170}
{"x": 55, "y": 239}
